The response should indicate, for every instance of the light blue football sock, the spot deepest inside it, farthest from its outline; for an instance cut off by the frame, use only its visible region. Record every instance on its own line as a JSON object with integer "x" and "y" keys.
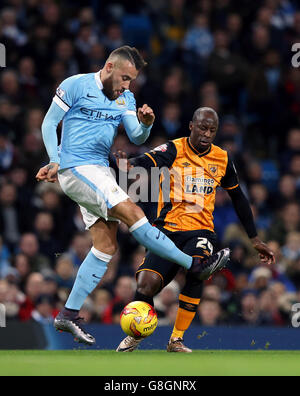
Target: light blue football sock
{"x": 89, "y": 275}
{"x": 158, "y": 243}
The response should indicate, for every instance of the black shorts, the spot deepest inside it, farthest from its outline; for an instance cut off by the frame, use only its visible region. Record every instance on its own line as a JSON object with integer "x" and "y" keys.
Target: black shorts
{"x": 194, "y": 243}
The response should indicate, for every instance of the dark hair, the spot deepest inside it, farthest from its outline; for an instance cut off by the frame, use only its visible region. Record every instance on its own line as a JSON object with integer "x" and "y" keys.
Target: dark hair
{"x": 131, "y": 54}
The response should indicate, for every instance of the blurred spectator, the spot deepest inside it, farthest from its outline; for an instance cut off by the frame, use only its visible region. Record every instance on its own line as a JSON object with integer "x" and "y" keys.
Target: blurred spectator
{"x": 249, "y": 314}
{"x": 65, "y": 272}
{"x": 210, "y": 313}
{"x": 11, "y": 298}
{"x": 295, "y": 169}
{"x": 65, "y": 53}
{"x": 166, "y": 298}
{"x": 287, "y": 191}
{"x": 228, "y": 70}
{"x": 44, "y": 312}
{"x": 112, "y": 38}
{"x": 9, "y": 26}
{"x": 287, "y": 221}
{"x": 43, "y": 229}
{"x": 10, "y": 216}
{"x": 102, "y": 301}
{"x": 79, "y": 248}
{"x": 269, "y": 310}
{"x": 4, "y": 259}
{"x": 7, "y": 153}
{"x": 292, "y": 148}
{"x": 124, "y": 293}
{"x": 260, "y": 279}
{"x": 198, "y": 44}
{"x": 33, "y": 290}
{"x": 170, "y": 124}
{"x": 291, "y": 250}
{"x": 27, "y": 79}
{"x": 170, "y": 315}
{"x": 29, "y": 246}
{"x": 22, "y": 265}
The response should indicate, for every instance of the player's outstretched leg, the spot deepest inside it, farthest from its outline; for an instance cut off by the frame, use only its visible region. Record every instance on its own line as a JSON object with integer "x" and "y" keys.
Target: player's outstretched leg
{"x": 158, "y": 243}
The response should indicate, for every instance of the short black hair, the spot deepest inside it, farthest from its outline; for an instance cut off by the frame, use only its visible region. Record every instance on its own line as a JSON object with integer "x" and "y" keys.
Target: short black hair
{"x": 201, "y": 110}
{"x": 131, "y": 54}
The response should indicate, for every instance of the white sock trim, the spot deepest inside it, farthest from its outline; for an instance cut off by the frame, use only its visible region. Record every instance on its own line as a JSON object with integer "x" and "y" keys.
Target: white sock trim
{"x": 101, "y": 256}
{"x": 138, "y": 224}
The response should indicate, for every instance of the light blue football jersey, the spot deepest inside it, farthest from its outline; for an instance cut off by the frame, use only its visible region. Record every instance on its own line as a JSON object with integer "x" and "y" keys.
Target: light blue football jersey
{"x": 91, "y": 120}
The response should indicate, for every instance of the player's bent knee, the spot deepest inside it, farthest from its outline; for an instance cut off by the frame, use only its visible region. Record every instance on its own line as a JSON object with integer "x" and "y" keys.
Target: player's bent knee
{"x": 103, "y": 254}
{"x": 128, "y": 212}
{"x": 149, "y": 283}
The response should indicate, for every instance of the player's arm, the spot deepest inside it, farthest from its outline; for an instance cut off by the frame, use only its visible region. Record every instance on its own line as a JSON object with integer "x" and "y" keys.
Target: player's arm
{"x": 62, "y": 102}
{"x": 162, "y": 156}
{"x": 49, "y": 132}
{"x": 138, "y": 128}
{"x": 243, "y": 210}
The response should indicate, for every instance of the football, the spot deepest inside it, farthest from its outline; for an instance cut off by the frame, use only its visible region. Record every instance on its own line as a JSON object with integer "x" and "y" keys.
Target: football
{"x": 138, "y": 319}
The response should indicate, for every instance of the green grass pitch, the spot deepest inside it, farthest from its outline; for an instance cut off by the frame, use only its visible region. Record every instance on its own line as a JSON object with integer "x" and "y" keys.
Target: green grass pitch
{"x": 149, "y": 363}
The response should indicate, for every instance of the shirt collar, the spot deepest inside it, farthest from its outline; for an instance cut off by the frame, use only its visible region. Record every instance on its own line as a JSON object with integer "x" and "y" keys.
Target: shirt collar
{"x": 98, "y": 80}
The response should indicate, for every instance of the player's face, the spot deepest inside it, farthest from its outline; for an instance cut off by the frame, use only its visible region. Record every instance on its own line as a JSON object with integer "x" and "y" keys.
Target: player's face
{"x": 119, "y": 76}
{"x": 203, "y": 131}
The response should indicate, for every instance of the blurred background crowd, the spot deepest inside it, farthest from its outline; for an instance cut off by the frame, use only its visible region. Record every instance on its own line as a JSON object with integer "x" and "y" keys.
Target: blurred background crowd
{"x": 231, "y": 55}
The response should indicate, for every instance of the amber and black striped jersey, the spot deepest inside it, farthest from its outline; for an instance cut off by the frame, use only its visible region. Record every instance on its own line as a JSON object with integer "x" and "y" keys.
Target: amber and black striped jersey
{"x": 187, "y": 199}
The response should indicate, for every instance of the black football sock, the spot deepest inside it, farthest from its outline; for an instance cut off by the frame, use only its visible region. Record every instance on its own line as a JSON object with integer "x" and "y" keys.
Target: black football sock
{"x": 141, "y": 297}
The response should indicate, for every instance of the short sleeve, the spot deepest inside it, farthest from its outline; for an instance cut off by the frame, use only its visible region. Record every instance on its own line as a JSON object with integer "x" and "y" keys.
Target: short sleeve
{"x": 230, "y": 179}
{"x": 66, "y": 93}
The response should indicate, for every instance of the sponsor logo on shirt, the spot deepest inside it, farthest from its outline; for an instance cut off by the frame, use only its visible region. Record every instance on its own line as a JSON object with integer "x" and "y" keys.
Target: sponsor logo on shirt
{"x": 99, "y": 115}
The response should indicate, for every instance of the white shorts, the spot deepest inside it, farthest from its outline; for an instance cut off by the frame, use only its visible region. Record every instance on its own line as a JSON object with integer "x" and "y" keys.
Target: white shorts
{"x": 95, "y": 190}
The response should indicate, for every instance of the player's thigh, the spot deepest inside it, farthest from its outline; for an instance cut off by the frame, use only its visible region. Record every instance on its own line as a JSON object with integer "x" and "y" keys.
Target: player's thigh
{"x": 164, "y": 270}
{"x": 94, "y": 188}
{"x": 200, "y": 243}
{"x": 104, "y": 236}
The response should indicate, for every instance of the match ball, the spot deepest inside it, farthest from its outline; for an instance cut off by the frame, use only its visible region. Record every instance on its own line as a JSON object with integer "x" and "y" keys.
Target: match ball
{"x": 138, "y": 319}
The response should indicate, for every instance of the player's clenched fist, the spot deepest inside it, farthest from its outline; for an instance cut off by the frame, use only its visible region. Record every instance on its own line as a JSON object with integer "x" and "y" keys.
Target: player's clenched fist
{"x": 146, "y": 115}
{"x": 48, "y": 173}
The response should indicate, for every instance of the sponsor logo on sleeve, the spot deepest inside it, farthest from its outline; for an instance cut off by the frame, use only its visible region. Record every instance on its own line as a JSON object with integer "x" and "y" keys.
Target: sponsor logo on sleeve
{"x": 60, "y": 92}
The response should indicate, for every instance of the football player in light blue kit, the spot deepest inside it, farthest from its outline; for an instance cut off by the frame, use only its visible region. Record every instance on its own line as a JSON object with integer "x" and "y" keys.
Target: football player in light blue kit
{"x": 92, "y": 106}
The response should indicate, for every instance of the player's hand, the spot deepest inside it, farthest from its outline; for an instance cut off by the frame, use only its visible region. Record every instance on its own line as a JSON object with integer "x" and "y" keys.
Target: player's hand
{"x": 48, "y": 173}
{"x": 146, "y": 115}
{"x": 122, "y": 161}
{"x": 265, "y": 253}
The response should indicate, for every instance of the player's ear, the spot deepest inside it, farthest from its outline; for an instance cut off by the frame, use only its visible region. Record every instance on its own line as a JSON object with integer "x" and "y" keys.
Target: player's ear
{"x": 191, "y": 125}
{"x": 109, "y": 67}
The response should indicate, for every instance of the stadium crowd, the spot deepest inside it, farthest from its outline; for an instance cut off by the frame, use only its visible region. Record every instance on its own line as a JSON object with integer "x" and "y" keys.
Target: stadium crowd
{"x": 231, "y": 55}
